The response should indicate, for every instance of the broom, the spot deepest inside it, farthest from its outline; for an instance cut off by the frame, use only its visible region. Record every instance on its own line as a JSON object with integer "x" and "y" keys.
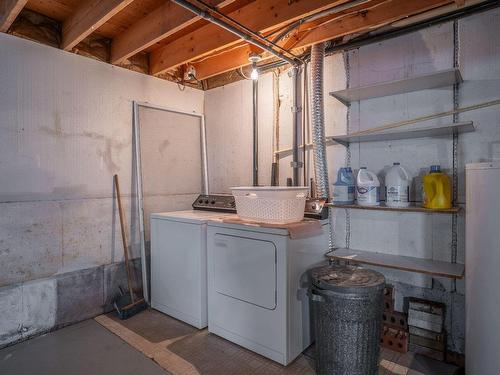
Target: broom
{"x": 126, "y": 305}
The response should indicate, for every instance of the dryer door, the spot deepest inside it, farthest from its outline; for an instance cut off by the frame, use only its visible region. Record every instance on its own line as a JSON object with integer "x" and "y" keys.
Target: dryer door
{"x": 245, "y": 269}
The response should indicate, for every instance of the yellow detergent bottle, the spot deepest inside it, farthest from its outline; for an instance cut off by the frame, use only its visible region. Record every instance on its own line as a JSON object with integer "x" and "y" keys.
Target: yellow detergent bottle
{"x": 437, "y": 189}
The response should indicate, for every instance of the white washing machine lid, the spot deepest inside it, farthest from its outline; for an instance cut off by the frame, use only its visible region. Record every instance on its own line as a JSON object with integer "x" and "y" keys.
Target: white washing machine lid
{"x": 190, "y": 216}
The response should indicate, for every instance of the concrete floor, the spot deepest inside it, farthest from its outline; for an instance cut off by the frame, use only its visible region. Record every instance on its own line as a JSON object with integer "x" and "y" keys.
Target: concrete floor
{"x": 86, "y": 348}
{"x": 110, "y": 346}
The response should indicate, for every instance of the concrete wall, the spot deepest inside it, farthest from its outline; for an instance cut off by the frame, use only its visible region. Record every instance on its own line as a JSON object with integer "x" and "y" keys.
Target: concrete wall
{"x": 229, "y": 116}
{"x": 65, "y": 129}
{"x": 412, "y": 234}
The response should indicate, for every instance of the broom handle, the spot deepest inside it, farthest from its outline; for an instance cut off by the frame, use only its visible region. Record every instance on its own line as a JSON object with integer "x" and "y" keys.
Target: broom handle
{"x": 124, "y": 235}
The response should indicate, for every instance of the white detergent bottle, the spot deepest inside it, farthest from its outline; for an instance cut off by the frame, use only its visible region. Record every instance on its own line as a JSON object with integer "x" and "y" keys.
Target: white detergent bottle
{"x": 367, "y": 188}
{"x": 397, "y": 187}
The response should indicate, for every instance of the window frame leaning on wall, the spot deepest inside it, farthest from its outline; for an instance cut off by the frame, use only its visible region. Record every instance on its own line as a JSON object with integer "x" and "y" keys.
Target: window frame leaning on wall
{"x": 138, "y": 172}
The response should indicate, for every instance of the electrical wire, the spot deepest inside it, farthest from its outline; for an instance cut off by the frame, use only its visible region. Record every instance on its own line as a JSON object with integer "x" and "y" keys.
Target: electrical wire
{"x": 241, "y": 74}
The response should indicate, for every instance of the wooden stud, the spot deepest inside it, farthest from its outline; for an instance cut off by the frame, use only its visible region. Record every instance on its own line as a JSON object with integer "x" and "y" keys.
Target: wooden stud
{"x": 260, "y": 16}
{"x": 88, "y": 17}
{"x": 9, "y": 10}
{"x": 163, "y": 22}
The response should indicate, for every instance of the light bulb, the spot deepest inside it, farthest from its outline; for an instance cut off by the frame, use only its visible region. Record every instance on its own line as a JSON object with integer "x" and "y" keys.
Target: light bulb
{"x": 255, "y": 74}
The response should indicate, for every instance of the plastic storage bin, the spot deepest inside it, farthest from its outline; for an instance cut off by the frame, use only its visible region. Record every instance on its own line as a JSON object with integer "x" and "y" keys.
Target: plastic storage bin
{"x": 270, "y": 204}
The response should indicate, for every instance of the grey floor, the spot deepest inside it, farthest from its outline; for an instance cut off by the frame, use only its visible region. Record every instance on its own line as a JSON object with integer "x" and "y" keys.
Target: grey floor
{"x": 86, "y": 348}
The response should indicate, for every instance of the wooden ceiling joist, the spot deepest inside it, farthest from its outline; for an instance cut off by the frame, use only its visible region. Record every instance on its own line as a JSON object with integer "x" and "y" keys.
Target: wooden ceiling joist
{"x": 384, "y": 14}
{"x": 89, "y": 16}
{"x": 260, "y": 16}
{"x": 225, "y": 61}
{"x": 164, "y": 21}
{"x": 381, "y": 14}
{"x": 172, "y": 36}
{"x": 9, "y": 9}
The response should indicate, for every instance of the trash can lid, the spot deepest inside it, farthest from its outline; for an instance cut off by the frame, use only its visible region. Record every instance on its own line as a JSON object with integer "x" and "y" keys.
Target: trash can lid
{"x": 346, "y": 279}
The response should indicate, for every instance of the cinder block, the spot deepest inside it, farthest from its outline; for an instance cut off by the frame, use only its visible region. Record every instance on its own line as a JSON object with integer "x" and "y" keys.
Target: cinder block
{"x": 431, "y": 353}
{"x": 425, "y": 320}
{"x": 91, "y": 233}
{"x": 389, "y": 297}
{"x": 394, "y": 339}
{"x": 27, "y": 309}
{"x": 425, "y": 333}
{"x": 426, "y": 306}
{"x": 439, "y": 345}
{"x": 395, "y": 319}
{"x": 30, "y": 241}
{"x": 80, "y": 295}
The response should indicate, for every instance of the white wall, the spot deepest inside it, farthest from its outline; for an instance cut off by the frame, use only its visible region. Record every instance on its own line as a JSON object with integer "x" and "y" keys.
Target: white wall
{"x": 229, "y": 117}
{"x": 65, "y": 129}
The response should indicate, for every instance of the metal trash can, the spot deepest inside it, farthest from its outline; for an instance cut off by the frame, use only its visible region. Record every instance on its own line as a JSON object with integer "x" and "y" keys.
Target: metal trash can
{"x": 347, "y": 311}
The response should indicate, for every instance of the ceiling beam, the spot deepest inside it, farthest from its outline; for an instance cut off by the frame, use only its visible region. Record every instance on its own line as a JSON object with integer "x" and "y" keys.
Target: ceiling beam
{"x": 383, "y": 13}
{"x": 226, "y": 61}
{"x": 157, "y": 25}
{"x": 9, "y": 9}
{"x": 261, "y": 15}
{"x": 89, "y": 16}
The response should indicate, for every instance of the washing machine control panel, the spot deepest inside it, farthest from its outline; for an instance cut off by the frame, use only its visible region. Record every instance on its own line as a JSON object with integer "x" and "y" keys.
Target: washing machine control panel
{"x": 215, "y": 202}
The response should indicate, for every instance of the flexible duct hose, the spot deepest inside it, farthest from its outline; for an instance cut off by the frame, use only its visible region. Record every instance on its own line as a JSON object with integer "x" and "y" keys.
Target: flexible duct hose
{"x": 318, "y": 121}
{"x": 318, "y": 132}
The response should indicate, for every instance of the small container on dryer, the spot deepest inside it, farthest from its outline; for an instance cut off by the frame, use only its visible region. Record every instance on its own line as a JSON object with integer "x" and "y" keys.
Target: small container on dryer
{"x": 437, "y": 189}
{"x": 343, "y": 188}
{"x": 367, "y": 188}
{"x": 397, "y": 187}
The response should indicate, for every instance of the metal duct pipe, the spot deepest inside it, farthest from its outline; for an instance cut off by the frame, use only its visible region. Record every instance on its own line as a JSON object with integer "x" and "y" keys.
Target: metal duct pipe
{"x": 318, "y": 121}
{"x": 296, "y": 111}
{"x": 255, "y": 98}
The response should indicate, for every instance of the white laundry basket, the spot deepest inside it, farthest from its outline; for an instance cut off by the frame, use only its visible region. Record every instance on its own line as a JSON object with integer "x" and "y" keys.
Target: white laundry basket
{"x": 270, "y": 204}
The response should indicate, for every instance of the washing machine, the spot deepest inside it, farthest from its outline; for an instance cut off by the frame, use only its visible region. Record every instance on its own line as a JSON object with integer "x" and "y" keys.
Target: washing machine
{"x": 257, "y": 287}
{"x": 179, "y": 264}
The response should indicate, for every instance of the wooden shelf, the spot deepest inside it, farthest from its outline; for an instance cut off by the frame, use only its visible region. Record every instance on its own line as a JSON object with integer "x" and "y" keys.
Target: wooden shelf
{"x": 412, "y": 132}
{"x": 427, "y": 81}
{"x": 399, "y": 262}
{"x": 382, "y": 207}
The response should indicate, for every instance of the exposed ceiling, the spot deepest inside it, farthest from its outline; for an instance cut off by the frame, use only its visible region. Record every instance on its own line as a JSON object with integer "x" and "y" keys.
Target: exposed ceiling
{"x": 172, "y": 37}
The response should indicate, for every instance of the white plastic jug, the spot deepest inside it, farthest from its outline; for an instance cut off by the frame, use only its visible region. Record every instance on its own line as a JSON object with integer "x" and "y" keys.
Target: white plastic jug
{"x": 343, "y": 188}
{"x": 367, "y": 188}
{"x": 397, "y": 187}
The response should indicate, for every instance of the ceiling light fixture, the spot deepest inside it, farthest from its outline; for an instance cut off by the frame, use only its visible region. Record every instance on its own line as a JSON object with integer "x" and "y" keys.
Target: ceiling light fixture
{"x": 254, "y": 59}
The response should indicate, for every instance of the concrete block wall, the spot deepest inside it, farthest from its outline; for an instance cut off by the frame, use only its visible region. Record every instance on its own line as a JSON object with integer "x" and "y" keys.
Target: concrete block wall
{"x": 412, "y": 234}
{"x": 229, "y": 117}
{"x": 65, "y": 129}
